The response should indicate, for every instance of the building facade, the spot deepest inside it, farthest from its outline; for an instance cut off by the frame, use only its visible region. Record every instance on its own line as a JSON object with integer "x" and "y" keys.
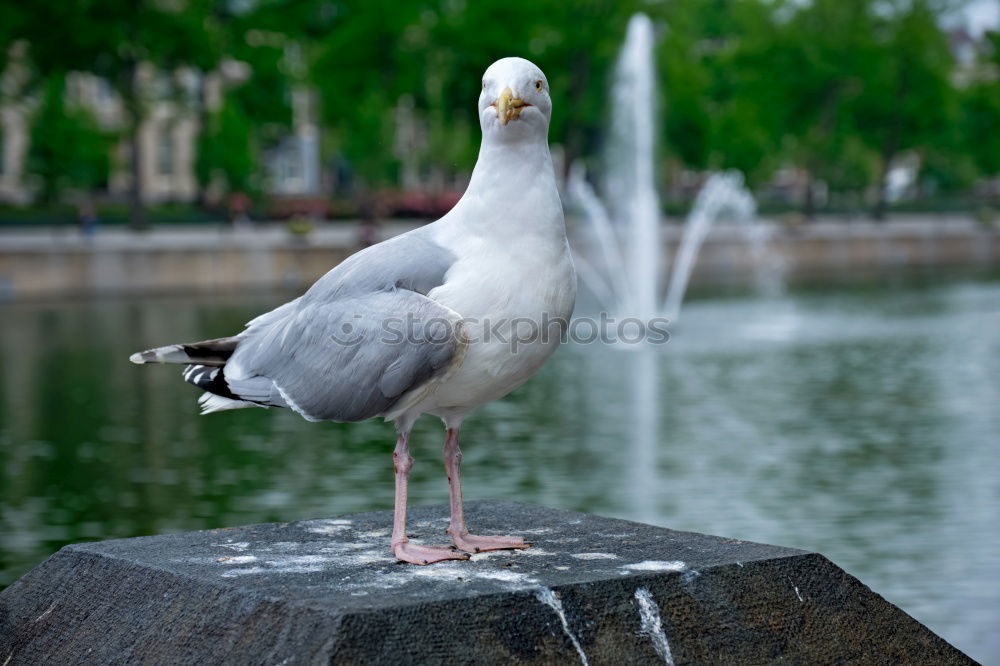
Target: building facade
{"x": 168, "y": 136}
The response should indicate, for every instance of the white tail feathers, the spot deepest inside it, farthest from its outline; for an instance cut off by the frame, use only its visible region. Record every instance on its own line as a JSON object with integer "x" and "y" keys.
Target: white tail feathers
{"x": 208, "y": 352}
{"x": 209, "y": 402}
{"x": 168, "y": 354}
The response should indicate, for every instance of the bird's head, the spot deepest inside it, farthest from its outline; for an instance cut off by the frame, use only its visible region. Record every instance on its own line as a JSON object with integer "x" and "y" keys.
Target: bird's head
{"x": 514, "y": 103}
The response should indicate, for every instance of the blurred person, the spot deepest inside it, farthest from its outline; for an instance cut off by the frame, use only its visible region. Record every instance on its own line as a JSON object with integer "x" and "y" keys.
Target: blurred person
{"x": 239, "y": 210}
{"x": 368, "y": 213}
{"x": 87, "y": 219}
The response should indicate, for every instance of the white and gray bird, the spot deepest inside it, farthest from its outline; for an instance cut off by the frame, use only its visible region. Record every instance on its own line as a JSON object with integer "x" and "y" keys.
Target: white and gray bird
{"x": 439, "y": 320}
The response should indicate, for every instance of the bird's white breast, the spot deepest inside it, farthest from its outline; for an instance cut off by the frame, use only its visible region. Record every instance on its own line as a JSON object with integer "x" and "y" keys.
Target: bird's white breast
{"x": 515, "y": 289}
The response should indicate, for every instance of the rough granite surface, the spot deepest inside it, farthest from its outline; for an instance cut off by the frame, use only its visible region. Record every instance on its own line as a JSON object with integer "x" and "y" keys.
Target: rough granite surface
{"x": 592, "y": 590}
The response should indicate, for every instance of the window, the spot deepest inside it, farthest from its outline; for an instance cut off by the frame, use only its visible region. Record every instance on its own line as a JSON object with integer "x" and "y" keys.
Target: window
{"x": 165, "y": 152}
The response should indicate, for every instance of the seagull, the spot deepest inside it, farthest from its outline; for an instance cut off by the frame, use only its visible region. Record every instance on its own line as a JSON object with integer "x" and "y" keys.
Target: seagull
{"x": 439, "y": 320}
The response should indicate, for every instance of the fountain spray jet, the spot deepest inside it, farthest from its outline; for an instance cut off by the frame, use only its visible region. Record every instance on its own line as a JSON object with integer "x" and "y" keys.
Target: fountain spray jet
{"x": 630, "y": 184}
{"x": 621, "y": 264}
{"x": 722, "y": 193}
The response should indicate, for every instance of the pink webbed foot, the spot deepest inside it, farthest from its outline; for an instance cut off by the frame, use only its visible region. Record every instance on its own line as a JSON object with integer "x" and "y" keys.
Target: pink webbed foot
{"x": 472, "y": 543}
{"x": 417, "y": 554}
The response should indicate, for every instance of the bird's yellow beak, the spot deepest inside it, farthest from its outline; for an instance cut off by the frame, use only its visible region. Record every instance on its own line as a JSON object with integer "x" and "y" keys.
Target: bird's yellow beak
{"x": 508, "y": 107}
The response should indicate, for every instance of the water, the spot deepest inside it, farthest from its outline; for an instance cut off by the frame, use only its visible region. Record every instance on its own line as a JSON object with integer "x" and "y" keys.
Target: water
{"x": 862, "y": 424}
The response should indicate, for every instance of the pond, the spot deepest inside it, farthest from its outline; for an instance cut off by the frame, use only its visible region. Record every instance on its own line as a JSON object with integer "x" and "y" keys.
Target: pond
{"x": 862, "y": 423}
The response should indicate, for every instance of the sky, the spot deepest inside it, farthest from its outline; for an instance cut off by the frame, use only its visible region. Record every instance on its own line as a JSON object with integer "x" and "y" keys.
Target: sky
{"x": 982, "y": 15}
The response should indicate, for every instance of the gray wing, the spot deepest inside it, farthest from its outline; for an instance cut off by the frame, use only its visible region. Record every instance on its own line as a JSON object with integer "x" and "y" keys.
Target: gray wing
{"x": 410, "y": 261}
{"x": 362, "y": 337}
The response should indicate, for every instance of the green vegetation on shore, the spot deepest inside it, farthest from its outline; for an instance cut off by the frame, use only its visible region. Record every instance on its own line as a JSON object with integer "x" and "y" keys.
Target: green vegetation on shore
{"x": 836, "y": 90}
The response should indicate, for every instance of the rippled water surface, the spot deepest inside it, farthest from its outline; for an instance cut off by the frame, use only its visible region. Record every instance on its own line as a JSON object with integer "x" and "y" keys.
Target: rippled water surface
{"x": 864, "y": 424}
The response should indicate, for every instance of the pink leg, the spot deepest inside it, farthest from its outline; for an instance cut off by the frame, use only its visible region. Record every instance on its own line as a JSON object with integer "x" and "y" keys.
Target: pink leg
{"x": 459, "y": 532}
{"x": 402, "y": 461}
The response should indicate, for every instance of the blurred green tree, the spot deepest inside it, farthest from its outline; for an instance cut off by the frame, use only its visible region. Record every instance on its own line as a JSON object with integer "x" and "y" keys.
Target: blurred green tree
{"x": 837, "y": 88}
{"x": 981, "y": 111}
{"x": 225, "y": 148}
{"x": 68, "y": 149}
{"x": 114, "y": 39}
{"x": 360, "y": 70}
{"x": 255, "y": 109}
{"x": 434, "y": 54}
{"x": 822, "y": 58}
{"x": 720, "y": 107}
{"x": 908, "y": 100}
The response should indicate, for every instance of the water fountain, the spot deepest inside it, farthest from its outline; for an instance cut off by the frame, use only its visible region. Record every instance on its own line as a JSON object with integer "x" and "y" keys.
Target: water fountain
{"x": 722, "y": 193}
{"x": 621, "y": 244}
{"x": 623, "y": 240}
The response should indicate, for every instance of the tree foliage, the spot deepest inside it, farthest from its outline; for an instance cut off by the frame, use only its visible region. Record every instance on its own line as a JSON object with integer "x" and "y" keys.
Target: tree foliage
{"x": 226, "y": 149}
{"x": 838, "y": 89}
{"x": 981, "y": 113}
{"x": 68, "y": 149}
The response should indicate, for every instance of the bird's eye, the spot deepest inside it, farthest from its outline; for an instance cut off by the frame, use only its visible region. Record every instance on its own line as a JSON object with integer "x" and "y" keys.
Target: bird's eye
{"x": 538, "y": 86}
{"x": 484, "y": 84}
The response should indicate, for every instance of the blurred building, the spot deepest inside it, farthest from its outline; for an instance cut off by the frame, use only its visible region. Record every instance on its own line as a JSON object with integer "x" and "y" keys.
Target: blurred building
{"x": 293, "y": 167}
{"x": 970, "y": 63}
{"x": 168, "y": 136}
{"x": 14, "y": 113}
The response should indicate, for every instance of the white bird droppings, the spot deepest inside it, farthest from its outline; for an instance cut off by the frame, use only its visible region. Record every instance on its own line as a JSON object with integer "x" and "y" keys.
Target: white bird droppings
{"x": 240, "y": 559}
{"x": 479, "y": 557}
{"x": 237, "y": 546}
{"x": 534, "y": 551}
{"x": 514, "y": 578}
{"x": 232, "y": 573}
{"x": 458, "y": 573}
{"x": 44, "y": 615}
{"x": 439, "y": 571}
{"x": 549, "y": 598}
{"x": 374, "y": 534}
{"x": 796, "y": 587}
{"x": 651, "y": 625}
{"x": 594, "y": 556}
{"x": 300, "y": 560}
{"x": 656, "y": 565}
{"x": 327, "y": 526}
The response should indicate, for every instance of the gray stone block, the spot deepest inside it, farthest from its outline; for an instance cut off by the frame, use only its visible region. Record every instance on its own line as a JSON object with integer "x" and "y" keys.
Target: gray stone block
{"x": 592, "y": 589}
